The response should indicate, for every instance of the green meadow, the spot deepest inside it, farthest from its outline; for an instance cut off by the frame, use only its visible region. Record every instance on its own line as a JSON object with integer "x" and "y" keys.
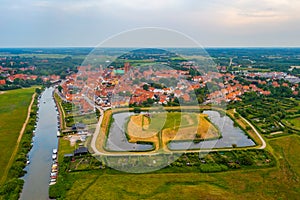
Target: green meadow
{"x": 278, "y": 182}
{"x": 13, "y": 112}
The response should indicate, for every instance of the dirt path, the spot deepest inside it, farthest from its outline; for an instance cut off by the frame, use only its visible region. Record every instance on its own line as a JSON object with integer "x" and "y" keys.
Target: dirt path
{"x": 12, "y": 158}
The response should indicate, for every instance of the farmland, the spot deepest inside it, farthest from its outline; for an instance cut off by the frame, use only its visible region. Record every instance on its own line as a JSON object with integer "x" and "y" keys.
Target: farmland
{"x": 13, "y": 112}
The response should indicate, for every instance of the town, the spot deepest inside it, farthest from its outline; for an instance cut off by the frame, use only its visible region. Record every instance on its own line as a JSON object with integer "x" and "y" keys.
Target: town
{"x": 131, "y": 86}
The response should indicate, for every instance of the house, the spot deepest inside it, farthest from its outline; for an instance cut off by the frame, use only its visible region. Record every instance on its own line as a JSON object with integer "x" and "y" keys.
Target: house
{"x": 78, "y": 126}
{"x": 81, "y": 151}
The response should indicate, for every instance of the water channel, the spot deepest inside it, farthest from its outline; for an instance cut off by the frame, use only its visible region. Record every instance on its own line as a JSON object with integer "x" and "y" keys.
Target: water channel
{"x": 231, "y": 134}
{"x": 38, "y": 171}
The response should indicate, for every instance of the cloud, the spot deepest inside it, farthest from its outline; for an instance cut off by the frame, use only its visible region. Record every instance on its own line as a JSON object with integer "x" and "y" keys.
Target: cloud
{"x": 245, "y": 12}
{"x": 89, "y": 21}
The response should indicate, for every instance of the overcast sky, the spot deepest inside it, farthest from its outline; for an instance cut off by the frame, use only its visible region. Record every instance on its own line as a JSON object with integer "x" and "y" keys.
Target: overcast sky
{"x": 33, "y": 23}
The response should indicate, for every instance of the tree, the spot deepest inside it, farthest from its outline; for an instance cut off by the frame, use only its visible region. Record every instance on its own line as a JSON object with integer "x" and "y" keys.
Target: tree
{"x": 246, "y": 160}
{"x": 98, "y": 114}
{"x": 236, "y": 115}
{"x": 248, "y": 128}
{"x": 137, "y": 110}
{"x": 146, "y": 87}
{"x": 38, "y": 90}
{"x": 59, "y": 88}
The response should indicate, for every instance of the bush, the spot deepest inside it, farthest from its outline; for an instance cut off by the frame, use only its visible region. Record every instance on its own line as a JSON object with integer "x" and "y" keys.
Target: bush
{"x": 137, "y": 110}
{"x": 11, "y": 189}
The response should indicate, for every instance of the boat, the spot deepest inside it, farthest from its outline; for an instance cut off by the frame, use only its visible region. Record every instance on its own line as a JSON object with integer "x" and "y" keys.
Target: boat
{"x": 52, "y": 183}
{"x": 54, "y": 151}
{"x": 54, "y": 156}
{"x": 53, "y": 180}
{"x": 53, "y": 174}
{"x": 58, "y": 134}
{"x": 54, "y": 170}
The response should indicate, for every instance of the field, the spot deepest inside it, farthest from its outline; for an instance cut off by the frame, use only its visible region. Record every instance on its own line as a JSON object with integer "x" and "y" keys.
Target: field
{"x": 279, "y": 182}
{"x": 295, "y": 122}
{"x": 13, "y": 112}
{"x": 173, "y": 125}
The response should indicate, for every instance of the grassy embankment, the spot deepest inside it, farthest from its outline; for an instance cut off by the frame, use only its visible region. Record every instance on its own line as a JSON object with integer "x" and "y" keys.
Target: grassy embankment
{"x": 15, "y": 108}
{"x": 13, "y": 112}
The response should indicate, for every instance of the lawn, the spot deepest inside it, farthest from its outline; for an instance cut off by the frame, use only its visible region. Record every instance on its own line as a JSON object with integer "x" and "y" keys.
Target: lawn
{"x": 13, "y": 112}
{"x": 279, "y": 182}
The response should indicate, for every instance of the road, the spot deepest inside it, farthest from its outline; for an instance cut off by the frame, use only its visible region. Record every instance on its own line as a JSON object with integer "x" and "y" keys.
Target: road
{"x": 264, "y": 144}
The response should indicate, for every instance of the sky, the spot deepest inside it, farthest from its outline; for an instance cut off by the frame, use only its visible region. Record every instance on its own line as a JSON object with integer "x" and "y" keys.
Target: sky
{"x": 212, "y": 23}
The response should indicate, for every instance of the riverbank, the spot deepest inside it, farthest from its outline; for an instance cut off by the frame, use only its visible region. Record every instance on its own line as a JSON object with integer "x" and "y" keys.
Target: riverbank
{"x": 12, "y": 158}
{"x": 12, "y": 185}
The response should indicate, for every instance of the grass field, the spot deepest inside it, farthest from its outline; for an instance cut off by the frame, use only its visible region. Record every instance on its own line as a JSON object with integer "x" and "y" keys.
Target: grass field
{"x": 280, "y": 182}
{"x": 13, "y": 112}
{"x": 295, "y": 122}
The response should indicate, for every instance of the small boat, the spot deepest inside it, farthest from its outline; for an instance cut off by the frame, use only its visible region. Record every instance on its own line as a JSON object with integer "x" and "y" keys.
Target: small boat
{"x": 54, "y": 151}
{"x": 27, "y": 162}
{"x": 53, "y": 180}
{"x": 58, "y": 134}
{"x": 53, "y": 174}
{"x": 52, "y": 183}
{"x": 54, "y": 156}
{"x": 54, "y": 170}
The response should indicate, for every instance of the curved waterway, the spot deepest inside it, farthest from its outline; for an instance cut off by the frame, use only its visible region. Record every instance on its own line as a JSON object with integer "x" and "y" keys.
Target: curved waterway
{"x": 117, "y": 140}
{"x": 38, "y": 171}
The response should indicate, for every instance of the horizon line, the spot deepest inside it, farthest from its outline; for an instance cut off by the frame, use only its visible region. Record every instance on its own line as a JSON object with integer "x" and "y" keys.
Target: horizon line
{"x": 58, "y": 47}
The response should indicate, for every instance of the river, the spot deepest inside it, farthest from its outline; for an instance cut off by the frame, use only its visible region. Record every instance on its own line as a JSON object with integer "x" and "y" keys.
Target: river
{"x": 36, "y": 184}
